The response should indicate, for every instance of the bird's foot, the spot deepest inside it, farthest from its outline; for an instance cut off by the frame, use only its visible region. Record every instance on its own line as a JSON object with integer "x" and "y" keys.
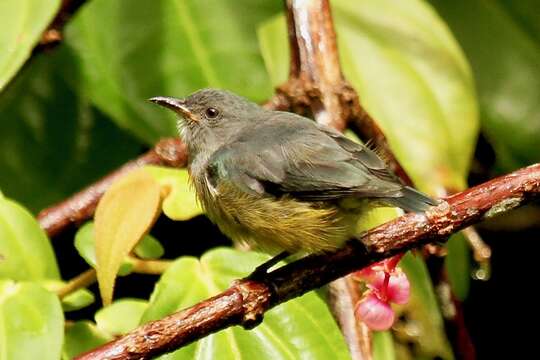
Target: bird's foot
{"x": 260, "y": 271}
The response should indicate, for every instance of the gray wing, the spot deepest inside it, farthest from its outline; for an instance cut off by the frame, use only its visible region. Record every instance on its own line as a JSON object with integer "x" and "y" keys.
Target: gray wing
{"x": 292, "y": 155}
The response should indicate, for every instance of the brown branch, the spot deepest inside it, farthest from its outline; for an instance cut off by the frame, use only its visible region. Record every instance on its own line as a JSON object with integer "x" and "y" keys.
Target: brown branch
{"x": 80, "y": 206}
{"x": 245, "y": 302}
{"x": 316, "y": 78}
{"x": 52, "y": 36}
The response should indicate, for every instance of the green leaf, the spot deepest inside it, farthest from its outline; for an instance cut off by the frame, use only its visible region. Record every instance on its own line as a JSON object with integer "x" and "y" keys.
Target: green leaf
{"x": 149, "y": 248}
{"x": 411, "y": 77}
{"x": 300, "y": 328}
{"x": 458, "y": 265}
{"x": 77, "y": 300}
{"x": 133, "y": 50}
{"x": 80, "y": 337}
{"x": 181, "y": 202}
{"x": 502, "y": 41}
{"x": 86, "y": 246}
{"x": 123, "y": 216}
{"x": 25, "y": 250}
{"x": 423, "y": 310}
{"x": 121, "y": 316}
{"x": 53, "y": 142}
{"x": 32, "y": 323}
{"x": 22, "y": 23}
{"x": 383, "y": 346}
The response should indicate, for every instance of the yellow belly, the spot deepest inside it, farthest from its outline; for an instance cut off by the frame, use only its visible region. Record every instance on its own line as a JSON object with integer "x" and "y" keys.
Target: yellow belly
{"x": 279, "y": 224}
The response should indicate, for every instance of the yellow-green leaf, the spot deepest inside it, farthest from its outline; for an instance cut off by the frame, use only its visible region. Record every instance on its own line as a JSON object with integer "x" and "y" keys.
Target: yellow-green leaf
{"x": 181, "y": 201}
{"x": 123, "y": 216}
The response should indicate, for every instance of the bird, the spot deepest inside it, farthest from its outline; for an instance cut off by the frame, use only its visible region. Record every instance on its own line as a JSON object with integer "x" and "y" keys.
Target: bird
{"x": 278, "y": 181}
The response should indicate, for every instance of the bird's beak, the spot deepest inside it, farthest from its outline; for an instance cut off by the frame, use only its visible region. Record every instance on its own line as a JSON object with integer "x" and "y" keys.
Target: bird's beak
{"x": 176, "y": 105}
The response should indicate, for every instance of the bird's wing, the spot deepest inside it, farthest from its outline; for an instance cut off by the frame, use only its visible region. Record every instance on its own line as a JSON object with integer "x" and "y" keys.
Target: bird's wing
{"x": 292, "y": 155}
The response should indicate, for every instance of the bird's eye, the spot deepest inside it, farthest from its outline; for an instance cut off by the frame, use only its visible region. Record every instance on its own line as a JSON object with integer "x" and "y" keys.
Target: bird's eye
{"x": 212, "y": 113}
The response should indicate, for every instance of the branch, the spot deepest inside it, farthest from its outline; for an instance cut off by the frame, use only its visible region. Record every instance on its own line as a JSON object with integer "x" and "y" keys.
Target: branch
{"x": 52, "y": 36}
{"x": 316, "y": 84}
{"x": 245, "y": 302}
{"x": 81, "y": 206}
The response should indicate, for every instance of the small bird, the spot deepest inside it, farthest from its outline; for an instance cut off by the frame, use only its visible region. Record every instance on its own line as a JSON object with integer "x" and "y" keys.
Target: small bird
{"x": 278, "y": 180}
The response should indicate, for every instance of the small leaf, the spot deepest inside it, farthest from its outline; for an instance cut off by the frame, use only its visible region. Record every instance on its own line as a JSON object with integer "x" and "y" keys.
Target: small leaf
{"x": 22, "y": 23}
{"x": 383, "y": 346}
{"x": 77, "y": 300}
{"x": 80, "y": 337}
{"x": 121, "y": 316}
{"x": 149, "y": 248}
{"x": 123, "y": 216}
{"x": 181, "y": 202}
{"x": 302, "y": 328}
{"x": 32, "y": 323}
{"x": 86, "y": 246}
{"x": 458, "y": 265}
{"x": 26, "y": 253}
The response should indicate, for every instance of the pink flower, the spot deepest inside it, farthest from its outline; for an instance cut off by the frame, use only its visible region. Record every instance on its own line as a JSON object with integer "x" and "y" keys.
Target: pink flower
{"x": 386, "y": 284}
{"x": 376, "y": 314}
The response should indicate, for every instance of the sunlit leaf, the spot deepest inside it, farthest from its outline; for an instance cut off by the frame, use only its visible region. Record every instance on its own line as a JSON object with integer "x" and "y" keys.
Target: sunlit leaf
{"x": 25, "y": 250}
{"x": 21, "y": 24}
{"x": 411, "y": 77}
{"x": 77, "y": 300}
{"x": 181, "y": 201}
{"x": 124, "y": 215}
{"x": 80, "y": 337}
{"x": 121, "y": 316}
{"x": 300, "y": 328}
{"x": 502, "y": 41}
{"x": 52, "y": 141}
{"x": 132, "y": 50}
{"x": 32, "y": 323}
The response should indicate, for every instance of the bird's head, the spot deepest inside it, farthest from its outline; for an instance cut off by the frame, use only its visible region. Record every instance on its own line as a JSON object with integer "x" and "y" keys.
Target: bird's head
{"x": 210, "y": 118}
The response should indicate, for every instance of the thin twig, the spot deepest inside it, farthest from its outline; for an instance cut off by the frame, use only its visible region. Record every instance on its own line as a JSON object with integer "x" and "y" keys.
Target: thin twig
{"x": 80, "y": 206}
{"x": 80, "y": 281}
{"x": 246, "y": 301}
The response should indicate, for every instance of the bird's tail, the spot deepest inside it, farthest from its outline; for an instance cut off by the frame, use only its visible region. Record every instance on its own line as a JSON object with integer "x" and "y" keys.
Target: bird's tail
{"x": 412, "y": 200}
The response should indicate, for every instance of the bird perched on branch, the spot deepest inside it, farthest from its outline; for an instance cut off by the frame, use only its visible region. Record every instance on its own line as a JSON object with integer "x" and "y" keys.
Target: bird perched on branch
{"x": 278, "y": 180}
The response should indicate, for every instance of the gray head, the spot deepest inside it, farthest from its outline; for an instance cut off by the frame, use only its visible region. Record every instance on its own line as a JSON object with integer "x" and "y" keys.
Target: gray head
{"x": 210, "y": 118}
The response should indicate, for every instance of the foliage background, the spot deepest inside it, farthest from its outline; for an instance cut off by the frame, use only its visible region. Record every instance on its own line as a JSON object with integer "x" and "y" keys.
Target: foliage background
{"x": 432, "y": 73}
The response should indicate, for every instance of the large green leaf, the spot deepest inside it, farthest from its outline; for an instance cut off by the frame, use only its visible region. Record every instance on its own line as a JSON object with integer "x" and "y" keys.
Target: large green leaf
{"x": 501, "y": 39}
{"x": 52, "y": 141}
{"x": 25, "y": 250}
{"x": 134, "y": 49}
{"x": 31, "y": 322}
{"x": 300, "y": 328}
{"x": 21, "y": 24}
{"x": 411, "y": 77}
